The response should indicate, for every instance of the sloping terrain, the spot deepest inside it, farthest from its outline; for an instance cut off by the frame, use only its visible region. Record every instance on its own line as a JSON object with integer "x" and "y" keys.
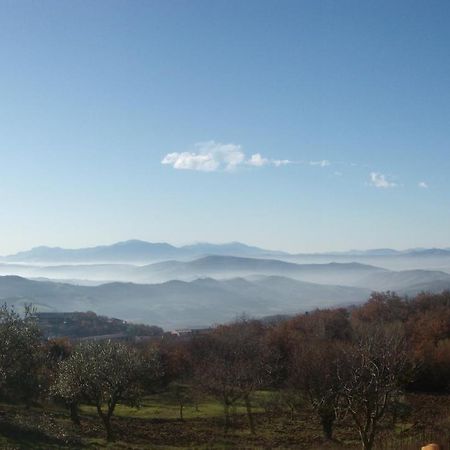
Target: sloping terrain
{"x": 178, "y": 303}
{"x": 406, "y": 280}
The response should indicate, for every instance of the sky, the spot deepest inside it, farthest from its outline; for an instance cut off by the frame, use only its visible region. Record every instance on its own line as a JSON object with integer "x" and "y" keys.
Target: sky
{"x": 294, "y": 125}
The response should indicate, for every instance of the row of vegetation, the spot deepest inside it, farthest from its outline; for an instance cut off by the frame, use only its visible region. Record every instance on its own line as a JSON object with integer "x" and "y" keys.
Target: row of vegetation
{"x": 348, "y": 366}
{"x": 84, "y": 324}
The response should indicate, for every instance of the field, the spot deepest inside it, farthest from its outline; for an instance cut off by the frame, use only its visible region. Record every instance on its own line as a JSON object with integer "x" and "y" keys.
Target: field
{"x": 156, "y": 425}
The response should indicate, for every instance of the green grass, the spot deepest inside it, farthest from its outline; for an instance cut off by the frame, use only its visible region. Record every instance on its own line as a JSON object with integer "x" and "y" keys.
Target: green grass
{"x": 163, "y": 406}
{"x": 402, "y": 427}
{"x": 155, "y": 426}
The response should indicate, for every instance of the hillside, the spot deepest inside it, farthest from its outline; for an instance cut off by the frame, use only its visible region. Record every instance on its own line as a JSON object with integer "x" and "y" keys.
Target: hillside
{"x": 180, "y": 304}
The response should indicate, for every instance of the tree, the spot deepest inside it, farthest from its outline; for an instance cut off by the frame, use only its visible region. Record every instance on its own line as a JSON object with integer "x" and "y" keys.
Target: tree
{"x": 371, "y": 372}
{"x": 104, "y": 374}
{"x": 331, "y": 324}
{"x": 182, "y": 394}
{"x": 58, "y": 350}
{"x": 231, "y": 364}
{"x": 177, "y": 363}
{"x": 314, "y": 371}
{"x": 382, "y": 307}
{"x": 20, "y": 355}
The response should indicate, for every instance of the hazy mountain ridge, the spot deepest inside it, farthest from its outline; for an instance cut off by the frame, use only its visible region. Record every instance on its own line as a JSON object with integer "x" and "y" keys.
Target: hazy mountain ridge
{"x": 134, "y": 251}
{"x": 404, "y": 280}
{"x": 205, "y": 283}
{"x": 178, "y": 303}
{"x": 383, "y": 252}
{"x": 225, "y": 267}
{"x": 207, "y": 300}
{"x": 232, "y": 266}
{"x": 138, "y": 251}
{"x": 210, "y": 266}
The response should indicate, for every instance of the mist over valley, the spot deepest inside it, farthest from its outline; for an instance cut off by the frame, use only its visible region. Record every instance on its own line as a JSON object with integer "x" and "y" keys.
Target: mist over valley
{"x": 203, "y": 284}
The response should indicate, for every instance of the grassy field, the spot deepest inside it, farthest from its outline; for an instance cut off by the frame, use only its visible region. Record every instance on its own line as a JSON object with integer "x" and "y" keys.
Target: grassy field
{"x": 156, "y": 425}
{"x": 165, "y": 407}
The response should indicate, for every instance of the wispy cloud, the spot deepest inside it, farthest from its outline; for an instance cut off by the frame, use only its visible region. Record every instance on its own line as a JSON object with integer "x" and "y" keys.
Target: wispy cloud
{"x": 380, "y": 181}
{"x": 281, "y": 162}
{"x": 321, "y": 163}
{"x": 212, "y": 156}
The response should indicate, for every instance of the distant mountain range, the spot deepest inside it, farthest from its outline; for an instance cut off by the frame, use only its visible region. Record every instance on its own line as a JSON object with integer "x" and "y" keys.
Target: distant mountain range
{"x": 177, "y": 304}
{"x": 205, "y": 301}
{"x": 232, "y": 266}
{"x": 201, "y": 284}
{"x": 388, "y": 252}
{"x": 225, "y": 267}
{"x": 218, "y": 267}
{"x": 136, "y": 251}
{"x": 192, "y": 297}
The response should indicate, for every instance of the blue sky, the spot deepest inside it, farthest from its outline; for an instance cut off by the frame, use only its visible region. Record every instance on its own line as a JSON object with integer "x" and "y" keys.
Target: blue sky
{"x": 298, "y": 125}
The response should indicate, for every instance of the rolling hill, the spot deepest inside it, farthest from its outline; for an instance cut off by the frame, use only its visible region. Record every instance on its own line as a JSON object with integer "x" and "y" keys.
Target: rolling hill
{"x": 179, "y": 303}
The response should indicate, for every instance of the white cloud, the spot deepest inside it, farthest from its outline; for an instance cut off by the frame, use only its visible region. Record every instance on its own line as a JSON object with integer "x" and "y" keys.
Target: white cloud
{"x": 423, "y": 185}
{"x": 281, "y": 162}
{"x": 191, "y": 161}
{"x": 321, "y": 163}
{"x": 257, "y": 160}
{"x": 212, "y": 156}
{"x": 379, "y": 181}
{"x": 209, "y": 157}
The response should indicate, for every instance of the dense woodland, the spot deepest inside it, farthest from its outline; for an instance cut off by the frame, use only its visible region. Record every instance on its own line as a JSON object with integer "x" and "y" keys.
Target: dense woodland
{"x": 353, "y": 375}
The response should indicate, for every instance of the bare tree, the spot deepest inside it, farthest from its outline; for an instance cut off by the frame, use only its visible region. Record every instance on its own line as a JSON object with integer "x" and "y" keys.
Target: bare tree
{"x": 313, "y": 371}
{"x": 230, "y": 365}
{"x": 371, "y": 373}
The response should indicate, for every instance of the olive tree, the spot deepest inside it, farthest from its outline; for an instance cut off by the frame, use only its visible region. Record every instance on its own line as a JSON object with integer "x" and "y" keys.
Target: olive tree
{"x": 103, "y": 374}
{"x": 20, "y": 354}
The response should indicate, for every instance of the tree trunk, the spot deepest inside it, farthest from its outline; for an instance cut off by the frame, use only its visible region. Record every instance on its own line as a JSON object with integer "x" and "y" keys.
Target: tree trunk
{"x": 181, "y": 411}
{"x": 106, "y": 419}
{"x": 251, "y": 422}
{"x": 394, "y": 415}
{"x": 109, "y": 434}
{"x": 74, "y": 413}
{"x": 227, "y": 416}
{"x": 367, "y": 442}
{"x": 327, "y": 421}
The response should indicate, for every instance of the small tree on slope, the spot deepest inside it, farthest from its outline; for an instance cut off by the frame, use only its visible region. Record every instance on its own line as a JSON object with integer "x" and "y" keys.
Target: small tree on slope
{"x": 104, "y": 374}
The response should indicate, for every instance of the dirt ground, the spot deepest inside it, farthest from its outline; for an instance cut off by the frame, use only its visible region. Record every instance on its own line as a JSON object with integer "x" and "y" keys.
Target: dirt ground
{"x": 426, "y": 420}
